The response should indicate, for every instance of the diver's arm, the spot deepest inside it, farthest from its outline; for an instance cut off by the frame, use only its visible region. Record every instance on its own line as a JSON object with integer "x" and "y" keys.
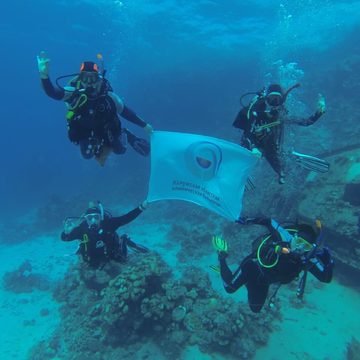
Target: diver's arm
{"x": 231, "y": 281}
{"x": 75, "y": 234}
{"x": 268, "y": 222}
{"x": 129, "y": 114}
{"x": 321, "y": 109}
{"x": 126, "y": 112}
{"x": 118, "y": 102}
{"x": 114, "y": 223}
{"x": 272, "y": 225}
{"x": 308, "y": 121}
{"x": 43, "y": 67}
{"x": 322, "y": 265}
{"x": 55, "y": 93}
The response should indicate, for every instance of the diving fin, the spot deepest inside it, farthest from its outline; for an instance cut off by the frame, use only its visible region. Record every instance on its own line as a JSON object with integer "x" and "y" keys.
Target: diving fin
{"x": 102, "y": 157}
{"x": 140, "y": 249}
{"x": 311, "y": 162}
{"x": 215, "y": 268}
{"x": 135, "y": 246}
{"x": 138, "y": 144}
{"x": 219, "y": 244}
{"x": 249, "y": 186}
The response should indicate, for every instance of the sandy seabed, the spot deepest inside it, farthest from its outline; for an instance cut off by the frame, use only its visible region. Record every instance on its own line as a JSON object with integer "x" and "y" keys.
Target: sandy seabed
{"x": 319, "y": 330}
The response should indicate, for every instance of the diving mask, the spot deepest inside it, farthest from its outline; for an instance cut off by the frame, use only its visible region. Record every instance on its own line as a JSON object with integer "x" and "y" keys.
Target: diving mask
{"x": 300, "y": 245}
{"x": 274, "y": 99}
{"x": 88, "y": 79}
{"x": 93, "y": 219}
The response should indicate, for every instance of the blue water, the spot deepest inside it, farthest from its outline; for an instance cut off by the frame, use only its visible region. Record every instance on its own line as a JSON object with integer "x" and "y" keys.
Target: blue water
{"x": 180, "y": 64}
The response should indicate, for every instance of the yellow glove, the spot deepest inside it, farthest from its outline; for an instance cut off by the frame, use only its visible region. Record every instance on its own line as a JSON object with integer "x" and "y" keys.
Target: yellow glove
{"x": 220, "y": 244}
{"x": 43, "y": 65}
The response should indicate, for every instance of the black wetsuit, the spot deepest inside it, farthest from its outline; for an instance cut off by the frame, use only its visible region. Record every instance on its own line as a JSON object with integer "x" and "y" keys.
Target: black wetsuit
{"x": 257, "y": 278}
{"x": 99, "y": 245}
{"x": 253, "y": 120}
{"x": 95, "y": 123}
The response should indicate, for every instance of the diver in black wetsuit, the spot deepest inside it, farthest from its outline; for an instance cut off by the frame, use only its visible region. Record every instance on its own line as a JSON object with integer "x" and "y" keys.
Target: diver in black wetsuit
{"x": 93, "y": 112}
{"x": 96, "y": 230}
{"x": 262, "y": 122}
{"x": 278, "y": 257}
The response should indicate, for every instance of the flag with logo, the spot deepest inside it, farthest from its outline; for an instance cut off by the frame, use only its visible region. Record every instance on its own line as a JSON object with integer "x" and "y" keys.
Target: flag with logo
{"x": 204, "y": 170}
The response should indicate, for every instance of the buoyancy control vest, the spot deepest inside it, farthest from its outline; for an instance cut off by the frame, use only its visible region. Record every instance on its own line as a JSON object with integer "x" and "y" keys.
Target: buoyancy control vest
{"x": 91, "y": 112}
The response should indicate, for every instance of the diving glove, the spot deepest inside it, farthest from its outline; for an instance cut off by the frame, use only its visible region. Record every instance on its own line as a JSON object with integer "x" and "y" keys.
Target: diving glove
{"x": 43, "y": 65}
{"x": 220, "y": 244}
{"x": 321, "y": 104}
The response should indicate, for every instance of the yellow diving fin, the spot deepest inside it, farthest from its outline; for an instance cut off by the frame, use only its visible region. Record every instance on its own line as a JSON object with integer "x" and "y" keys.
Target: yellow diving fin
{"x": 101, "y": 158}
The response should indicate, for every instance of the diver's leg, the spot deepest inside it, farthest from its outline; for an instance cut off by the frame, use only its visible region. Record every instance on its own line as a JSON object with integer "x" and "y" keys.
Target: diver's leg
{"x": 117, "y": 142}
{"x": 123, "y": 251}
{"x": 86, "y": 148}
{"x": 257, "y": 294}
{"x": 274, "y": 157}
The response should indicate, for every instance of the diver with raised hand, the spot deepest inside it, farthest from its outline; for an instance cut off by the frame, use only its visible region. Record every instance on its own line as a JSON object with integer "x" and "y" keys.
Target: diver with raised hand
{"x": 93, "y": 111}
{"x": 262, "y": 122}
{"x": 96, "y": 231}
{"x": 277, "y": 257}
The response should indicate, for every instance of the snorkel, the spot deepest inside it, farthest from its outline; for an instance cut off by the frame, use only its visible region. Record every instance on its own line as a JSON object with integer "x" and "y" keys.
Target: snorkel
{"x": 291, "y": 88}
{"x": 102, "y": 66}
{"x": 64, "y": 77}
{"x": 263, "y": 93}
{"x": 101, "y": 208}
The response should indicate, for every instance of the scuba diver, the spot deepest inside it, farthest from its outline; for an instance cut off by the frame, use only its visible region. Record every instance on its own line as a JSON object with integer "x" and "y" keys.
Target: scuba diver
{"x": 278, "y": 257}
{"x": 93, "y": 112}
{"x": 99, "y": 241}
{"x": 262, "y": 122}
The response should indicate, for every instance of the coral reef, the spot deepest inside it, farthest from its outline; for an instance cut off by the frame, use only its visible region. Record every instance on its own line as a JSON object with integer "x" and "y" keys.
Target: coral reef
{"x": 23, "y": 280}
{"x": 116, "y": 310}
{"x": 353, "y": 350}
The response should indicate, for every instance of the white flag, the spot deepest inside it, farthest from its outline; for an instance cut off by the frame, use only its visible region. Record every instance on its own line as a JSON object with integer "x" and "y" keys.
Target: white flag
{"x": 207, "y": 171}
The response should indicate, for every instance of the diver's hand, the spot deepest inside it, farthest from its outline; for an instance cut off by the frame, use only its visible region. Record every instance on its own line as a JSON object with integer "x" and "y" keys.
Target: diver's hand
{"x": 149, "y": 129}
{"x": 245, "y": 220}
{"x": 242, "y": 220}
{"x": 257, "y": 152}
{"x": 68, "y": 227}
{"x": 43, "y": 65}
{"x": 222, "y": 255}
{"x": 143, "y": 205}
{"x": 321, "y": 104}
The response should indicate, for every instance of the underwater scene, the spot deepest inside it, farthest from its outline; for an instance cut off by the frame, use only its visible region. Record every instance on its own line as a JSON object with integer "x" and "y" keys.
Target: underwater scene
{"x": 183, "y": 181}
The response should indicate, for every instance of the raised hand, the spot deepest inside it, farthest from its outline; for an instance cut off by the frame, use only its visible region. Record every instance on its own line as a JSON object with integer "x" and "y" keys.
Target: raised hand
{"x": 43, "y": 65}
